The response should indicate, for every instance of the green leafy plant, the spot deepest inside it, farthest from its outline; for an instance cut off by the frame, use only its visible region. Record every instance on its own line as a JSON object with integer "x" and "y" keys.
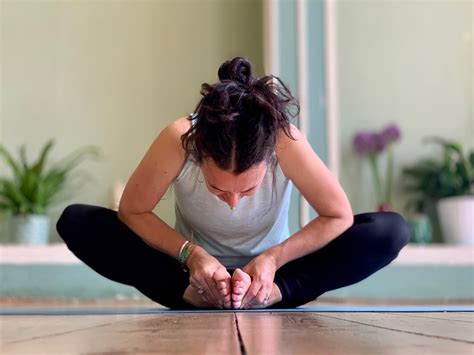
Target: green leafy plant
{"x": 429, "y": 180}
{"x": 34, "y": 187}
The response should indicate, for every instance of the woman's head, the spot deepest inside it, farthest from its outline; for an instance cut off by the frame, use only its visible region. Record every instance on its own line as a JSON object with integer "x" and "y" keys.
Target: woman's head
{"x": 238, "y": 120}
{"x": 231, "y": 188}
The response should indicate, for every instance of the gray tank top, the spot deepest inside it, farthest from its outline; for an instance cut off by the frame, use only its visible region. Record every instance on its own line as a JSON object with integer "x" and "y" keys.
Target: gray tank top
{"x": 259, "y": 221}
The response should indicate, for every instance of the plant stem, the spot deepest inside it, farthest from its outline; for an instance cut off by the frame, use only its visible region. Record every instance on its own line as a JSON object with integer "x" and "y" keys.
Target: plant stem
{"x": 389, "y": 177}
{"x": 376, "y": 174}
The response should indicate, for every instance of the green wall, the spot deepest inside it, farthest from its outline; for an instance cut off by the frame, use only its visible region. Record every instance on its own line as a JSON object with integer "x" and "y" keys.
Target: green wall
{"x": 410, "y": 62}
{"x": 113, "y": 74}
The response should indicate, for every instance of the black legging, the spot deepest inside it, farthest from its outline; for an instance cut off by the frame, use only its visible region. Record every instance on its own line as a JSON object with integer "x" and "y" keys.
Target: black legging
{"x": 97, "y": 237}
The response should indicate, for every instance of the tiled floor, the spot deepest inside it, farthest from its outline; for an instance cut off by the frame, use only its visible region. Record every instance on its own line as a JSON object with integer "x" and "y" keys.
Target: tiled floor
{"x": 238, "y": 333}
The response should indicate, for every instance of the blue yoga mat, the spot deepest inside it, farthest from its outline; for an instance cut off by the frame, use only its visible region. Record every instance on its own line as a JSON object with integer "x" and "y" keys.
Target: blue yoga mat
{"x": 143, "y": 310}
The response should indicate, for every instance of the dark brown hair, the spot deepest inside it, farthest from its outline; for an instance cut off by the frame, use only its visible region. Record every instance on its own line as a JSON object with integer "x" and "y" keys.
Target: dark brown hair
{"x": 239, "y": 118}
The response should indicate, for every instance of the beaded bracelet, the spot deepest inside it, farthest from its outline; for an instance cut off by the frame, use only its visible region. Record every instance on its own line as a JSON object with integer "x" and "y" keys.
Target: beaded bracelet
{"x": 184, "y": 253}
{"x": 181, "y": 249}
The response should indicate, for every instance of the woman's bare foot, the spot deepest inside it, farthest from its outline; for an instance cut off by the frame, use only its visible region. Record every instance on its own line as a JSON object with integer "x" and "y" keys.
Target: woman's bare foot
{"x": 240, "y": 284}
{"x": 191, "y": 296}
{"x": 223, "y": 281}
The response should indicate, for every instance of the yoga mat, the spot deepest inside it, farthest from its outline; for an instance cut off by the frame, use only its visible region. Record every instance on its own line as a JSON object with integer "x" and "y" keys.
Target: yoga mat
{"x": 143, "y": 310}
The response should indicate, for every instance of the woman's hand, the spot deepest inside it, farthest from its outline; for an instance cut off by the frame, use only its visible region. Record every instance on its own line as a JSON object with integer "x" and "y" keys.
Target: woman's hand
{"x": 209, "y": 277}
{"x": 262, "y": 272}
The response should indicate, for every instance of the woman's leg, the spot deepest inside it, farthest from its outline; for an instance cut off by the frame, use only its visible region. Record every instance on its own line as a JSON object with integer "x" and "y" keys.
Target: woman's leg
{"x": 372, "y": 242}
{"x": 97, "y": 237}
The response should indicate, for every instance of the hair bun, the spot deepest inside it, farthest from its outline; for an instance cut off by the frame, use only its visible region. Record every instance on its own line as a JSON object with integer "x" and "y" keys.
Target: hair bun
{"x": 238, "y": 69}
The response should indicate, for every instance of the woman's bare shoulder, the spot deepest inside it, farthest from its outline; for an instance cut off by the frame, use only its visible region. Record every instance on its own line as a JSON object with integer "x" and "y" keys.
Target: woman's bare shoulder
{"x": 178, "y": 127}
{"x": 284, "y": 142}
{"x": 155, "y": 173}
{"x": 182, "y": 124}
{"x": 173, "y": 131}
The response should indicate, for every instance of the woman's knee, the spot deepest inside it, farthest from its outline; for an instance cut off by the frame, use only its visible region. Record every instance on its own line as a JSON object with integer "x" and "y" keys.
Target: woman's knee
{"x": 392, "y": 231}
{"x": 70, "y": 221}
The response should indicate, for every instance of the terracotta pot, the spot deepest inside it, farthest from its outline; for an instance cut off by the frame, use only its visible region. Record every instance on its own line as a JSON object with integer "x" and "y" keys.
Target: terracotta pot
{"x": 384, "y": 207}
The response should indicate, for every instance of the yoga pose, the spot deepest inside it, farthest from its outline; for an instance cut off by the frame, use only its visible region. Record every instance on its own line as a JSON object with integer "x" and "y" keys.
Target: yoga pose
{"x": 232, "y": 165}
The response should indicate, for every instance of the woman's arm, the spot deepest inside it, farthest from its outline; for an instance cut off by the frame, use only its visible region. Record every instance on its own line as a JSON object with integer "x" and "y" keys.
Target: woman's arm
{"x": 158, "y": 168}
{"x": 323, "y": 192}
{"x": 321, "y": 189}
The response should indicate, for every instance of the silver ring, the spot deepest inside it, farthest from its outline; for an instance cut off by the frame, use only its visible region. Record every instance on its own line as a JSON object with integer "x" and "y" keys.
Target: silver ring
{"x": 200, "y": 290}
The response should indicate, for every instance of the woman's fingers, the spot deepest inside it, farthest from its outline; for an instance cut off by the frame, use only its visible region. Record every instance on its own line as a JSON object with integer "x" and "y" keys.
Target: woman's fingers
{"x": 204, "y": 289}
{"x": 212, "y": 279}
{"x": 211, "y": 288}
{"x": 263, "y": 296}
{"x": 251, "y": 294}
{"x": 257, "y": 296}
{"x": 200, "y": 290}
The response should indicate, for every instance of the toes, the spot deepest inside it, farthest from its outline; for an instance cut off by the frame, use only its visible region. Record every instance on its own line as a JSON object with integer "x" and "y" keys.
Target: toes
{"x": 221, "y": 275}
{"x": 222, "y": 287}
{"x": 238, "y": 291}
{"x": 237, "y": 296}
{"x": 240, "y": 283}
{"x": 223, "y": 281}
{"x": 239, "y": 275}
{"x": 236, "y": 304}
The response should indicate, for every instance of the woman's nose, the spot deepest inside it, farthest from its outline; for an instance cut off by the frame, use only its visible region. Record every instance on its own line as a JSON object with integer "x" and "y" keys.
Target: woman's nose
{"x": 233, "y": 200}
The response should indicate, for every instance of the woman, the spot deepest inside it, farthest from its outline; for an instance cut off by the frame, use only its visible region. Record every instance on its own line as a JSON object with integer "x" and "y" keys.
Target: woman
{"x": 232, "y": 165}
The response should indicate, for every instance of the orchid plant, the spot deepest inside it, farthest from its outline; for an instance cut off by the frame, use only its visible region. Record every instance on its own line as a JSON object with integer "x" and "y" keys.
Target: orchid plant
{"x": 372, "y": 145}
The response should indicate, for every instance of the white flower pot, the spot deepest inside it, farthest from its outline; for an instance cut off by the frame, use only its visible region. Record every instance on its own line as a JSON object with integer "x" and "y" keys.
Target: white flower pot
{"x": 31, "y": 229}
{"x": 456, "y": 217}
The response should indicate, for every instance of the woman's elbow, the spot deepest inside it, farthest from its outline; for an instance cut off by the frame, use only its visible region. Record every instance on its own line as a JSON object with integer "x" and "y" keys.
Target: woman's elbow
{"x": 346, "y": 215}
{"x": 123, "y": 212}
{"x": 121, "y": 215}
{"x": 348, "y": 220}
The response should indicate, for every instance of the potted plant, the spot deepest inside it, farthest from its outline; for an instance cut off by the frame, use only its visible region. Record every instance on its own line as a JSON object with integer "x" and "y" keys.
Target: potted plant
{"x": 447, "y": 184}
{"x": 32, "y": 188}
